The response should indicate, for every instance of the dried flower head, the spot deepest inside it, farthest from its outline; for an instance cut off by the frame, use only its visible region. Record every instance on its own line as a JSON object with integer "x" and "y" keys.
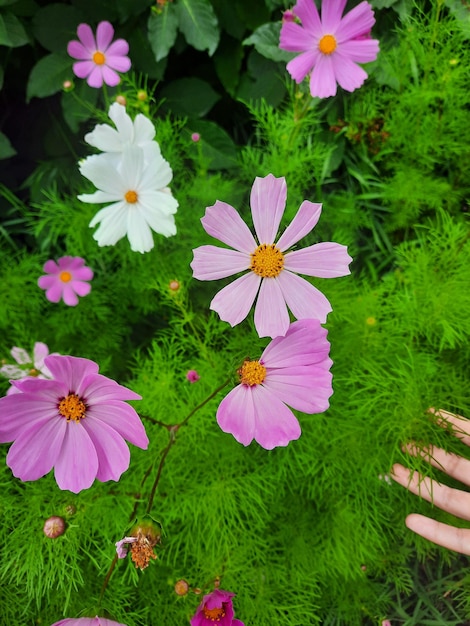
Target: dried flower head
{"x": 142, "y": 539}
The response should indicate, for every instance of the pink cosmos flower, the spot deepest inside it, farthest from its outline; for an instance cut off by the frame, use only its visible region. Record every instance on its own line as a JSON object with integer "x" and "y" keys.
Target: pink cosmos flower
{"x": 272, "y": 271}
{"x": 98, "y": 58}
{"x": 77, "y": 423}
{"x": 31, "y": 367}
{"x": 87, "y": 621}
{"x": 293, "y": 370}
{"x": 216, "y": 608}
{"x": 66, "y": 279}
{"x": 330, "y": 47}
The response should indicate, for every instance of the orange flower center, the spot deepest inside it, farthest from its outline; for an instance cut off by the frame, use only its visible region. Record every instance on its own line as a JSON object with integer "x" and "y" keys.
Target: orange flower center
{"x": 65, "y": 277}
{"x": 99, "y": 58}
{"x": 252, "y": 373}
{"x": 327, "y": 44}
{"x": 267, "y": 261}
{"x": 72, "y": 408}
{"x": 131, "y": 196}
{"x": 215, "y": 615}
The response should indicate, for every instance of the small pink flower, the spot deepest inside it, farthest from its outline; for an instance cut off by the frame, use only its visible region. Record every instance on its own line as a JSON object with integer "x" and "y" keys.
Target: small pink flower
{"x": 386, "y": 622}
{"x": 331, "y": 47}
{"x": 288, "y": 16}
{"x": 216, "y": 608}
{"x": 76, "y": 423}
{"x": 87, "y": 621}
{"x": 293, "y": 370}
{"x": 99, "y": 58}
{"x": 195, "y": 137}
{"x": 270, "y": 269}
{"x": 192, "y": 376}
{"x": 66, "y": 279}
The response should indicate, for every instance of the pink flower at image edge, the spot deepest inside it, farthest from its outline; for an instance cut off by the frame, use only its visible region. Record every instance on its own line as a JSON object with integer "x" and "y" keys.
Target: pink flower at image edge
{"x": 66, "y": 279}
{"x": 216, "y": 608}
{"x": 87, "y": 621}
{"x": 99, "y": 60}
{"x": 329, "y": 48}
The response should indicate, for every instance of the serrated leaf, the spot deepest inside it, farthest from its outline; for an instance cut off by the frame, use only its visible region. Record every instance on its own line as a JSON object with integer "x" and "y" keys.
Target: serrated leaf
{"x": 12, "y": 33}
{"x": 6, "y": 149}
{"x": 265, "y": 39}
{"x": 162, "y": 31}
{"x": 198, "y": 23}
{"x": 46, "y": 26}
{"x": 48, "y": 75}
{"x": 217, "y": 146}
{"x": 189, "y": 97}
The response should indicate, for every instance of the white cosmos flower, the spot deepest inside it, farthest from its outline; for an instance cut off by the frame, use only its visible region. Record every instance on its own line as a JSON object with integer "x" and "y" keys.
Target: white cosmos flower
{"x": 136, "y": 184}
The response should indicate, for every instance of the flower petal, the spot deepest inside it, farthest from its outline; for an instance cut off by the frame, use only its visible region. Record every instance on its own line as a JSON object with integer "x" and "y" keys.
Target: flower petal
{"x": 144, "y": 130}
{"x": 356, "y": 22}
{"x": 55, "y": 291}
{"x": 234, "y": 301}
{"x": 86, "y": 36}
{"x": 81, "y": 288}
{"x": 325, "y": 260}
{"x": 268, "y": 201}
{"x": 331, "y": 14}
{"x": 51, "y": 267}
{"x": 139, "y": 233}
{"x": 95, "y": 78}
{"x": 69, "y": 295}
{"x": 118, "y": 63}
{"x": 77, "y": 50}
{"x": 305, "y": 343}
{"x": 212, "y": 263}
{"x": 119, "y": 48}
{"x": 82, "y": 69}
{"x": 275, "y": 424}
{"x": 113, "y": 453}
{"x": 349, "y": 75}
{"x": 77, "y": 463}
{"x": 304, "y": 221}
{"x": 271, "y": 315}
{"x": 19, "y": 412}
{"x": 104, "y": 35}
{"x": 360, "y": 50}
{"x": 236, "y": 414}
{"x": 20, "y": 356}
{"x": 304, "y": 388}
{"x": 109, "y": 76}
{"x": 294, "y": 38}
{"x": 72, "y": 370}
{"x": 303, "y": 299}
{"x": 123, "y": 419}
{"x": 101, "y": 389}
{"x": 103, "y": 174}
{"x": 224, "y": 223}
{"x": 322, "y": 80}
{"x": 307, "y": 12}
{"x": 113, "y": 225}
{"x": 299, "y": 67}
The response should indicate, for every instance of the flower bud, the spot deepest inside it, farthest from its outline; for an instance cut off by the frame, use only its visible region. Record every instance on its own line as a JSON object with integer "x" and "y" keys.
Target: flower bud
{"x": 181, "y": 587}
{"x": 142, "y": 95}
{"x": 174, "y": 285}
{"x": 54, "y": 527}
{"x": 192, "y": 376}
{"x": 120, "y": 99}
{"x": 195, "y": 137}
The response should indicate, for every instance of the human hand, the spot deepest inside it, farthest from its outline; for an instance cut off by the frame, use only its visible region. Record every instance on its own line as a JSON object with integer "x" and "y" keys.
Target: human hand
{"x": 451, "y": 500}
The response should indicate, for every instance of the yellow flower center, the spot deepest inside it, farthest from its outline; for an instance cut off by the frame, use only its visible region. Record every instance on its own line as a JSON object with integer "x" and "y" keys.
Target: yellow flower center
{"x": 99, "y": 58}
{"x": 252, "y": 373}
{"x": 65, "y": 277}
{"x": 72, "y": 408}
{"x": 215, "y": 615}
{"x": 131, "y": 196}
{"x": 267, "y": 261}
{"x": 327, "y": 44}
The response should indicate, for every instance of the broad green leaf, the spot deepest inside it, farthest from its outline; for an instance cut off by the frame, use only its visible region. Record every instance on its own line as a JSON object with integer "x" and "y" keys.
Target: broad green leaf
{"x": 217, "y": 146}
{"x": 127, "y": 8}
{"x": 198, "y": 23}
{"x": 264, "y": 80}
{"x": 48, "y": 75}
{"x": 98, "y": 10}
{"x": 266, "y": 41}
{"x": 12, "y": 33}
{"x": 142, "y": 59}
{"x": 4, "y": 3}
{"x": 162, "y": 31}
{"x": 252, "y": 13}
{"x": 6, "y": 149}
{"x": 55, "y": 25}
{"x": 189, "y": 97}
{"x": 78, "y": 110}
{"x": 228, "y": 18}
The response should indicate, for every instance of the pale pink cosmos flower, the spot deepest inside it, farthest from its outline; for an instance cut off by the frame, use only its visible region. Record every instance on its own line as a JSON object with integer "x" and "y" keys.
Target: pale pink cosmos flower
{"x": 272, "y": 271}
{"x": 330, "y": 47}
{"x": 28, "y": 367}
{"x": 87, "y": 621}
{"x": 76, "y": 423}
{"x": 293, "y": 370}
{"x": 66, "y": 279}
{"x": 99, "y": 58}
{"x": 216, "y": 608}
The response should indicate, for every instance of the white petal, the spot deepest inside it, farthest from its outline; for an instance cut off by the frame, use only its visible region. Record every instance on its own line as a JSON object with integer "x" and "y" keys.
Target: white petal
{"x": 139, "y": 233}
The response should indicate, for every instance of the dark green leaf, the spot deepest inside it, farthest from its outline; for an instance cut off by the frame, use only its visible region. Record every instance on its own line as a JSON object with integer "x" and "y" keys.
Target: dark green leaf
{"x": 228, "y": 18}
{"x": 12, "y": 33}
{"x": 48, "y": 75}
{"x": 198, "y": 23}
{"x": 6, "y": 149}
{"x": 1, "y": 76}
{"x": 216, "y": 145}
{"x": 55, "y": 25}
{"x": 227, "y": 62}
{"x": 251, "y": 13}
{"x": 264, "y": 80}
{"x": 162, "y": 31}
{"x": 142, "y": 58}
{"x": 189, "y": 97}
{"x": 266, "y": 41}
{"x": 4, "y": 3}
{"x": 77, "y": 110}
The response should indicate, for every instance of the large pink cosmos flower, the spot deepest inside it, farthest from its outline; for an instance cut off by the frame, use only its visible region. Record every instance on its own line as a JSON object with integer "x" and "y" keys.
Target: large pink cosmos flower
{"x": 87, "y": 621}
{"x": 330, "y": 47}
{"x": 28, "y": 367}
{"x": 216, "y": 608}
{"x": 272, "y": 270}
{"x": 66, "y": 279}
{"x": 76, "y": 423}
{"x": 98, "y": 58}
{"x": 293, "y": 370}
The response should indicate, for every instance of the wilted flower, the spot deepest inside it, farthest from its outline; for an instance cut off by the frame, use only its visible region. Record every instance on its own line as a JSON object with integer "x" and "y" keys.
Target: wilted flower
{"x": 293, "y": 370}
{"x": 144, "y": 536}
{"x": 330, "y": 47}
{"x": 87, "y": 621}
{"x": 66, "y": 279}
{"x": 192, "y": 376}
{"x": 27, "y": 367}
{"x": 99, "y": 58}
{"x": 54, "y": 527}
{"x": 216, "y": 608}
{"x": 272, "y": 270}
{"x": 77, "y": 423}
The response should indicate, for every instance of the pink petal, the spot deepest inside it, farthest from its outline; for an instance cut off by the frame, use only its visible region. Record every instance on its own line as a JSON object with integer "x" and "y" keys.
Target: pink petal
{"x": 100, "y": 389}
{"x": 40, "y": 352}
{"x": 271, "y": 316}
{"x": 308, "y": 14}
{"x": 83, "y": 273}
{"x": 35, "y": 450}
{"x": 95, "y": 78}
{"x": 109, "y": 76}
{"x": 85, "y": 34}
{"x": 236, "y": 414}
{"x": 50, "y": 267}
{"x": 43, "y": 390}
{"x": 275, "y": 424}
{"x": 113, "y": 453}
{"x": 120, "y": 64}
{"x": 305, "y": 343}
{"x": 65, "y": 262}
{"x": 82, "y": 69}
{"x": 331, "y": 14}
{"x": 77, "y": 51}
{"x": 20, "y": 355}
{"x": 104, "y": 36}
{"x": 294, "y": 38}
{"x": 356, "y": 23}
{"x": 304, "y": 388}
{"x": 322, "y": 80}
{"x": 77, "y": 464}
{"x": 123, "y": 419}
{"x": 299, "y": 67}
{"x": 20, "y": 413}
{"x": 80, "y": 288}
{"x": 303, "y": 299}
{"x": 54, "y": 293}
{"x": 118, "y": 48}
{"x": 268, "y": 201}
{"x": 360, "y": 51}
{"x": 304, "y": 221}
{"x": 234, "y": 301}
{"x": 48, "y": 281}
{"x": 74, "y": 371}
{"x": 74, "y": 262}
{"x": 349, "y": 75}
{"x": 224, "y": 223}
{"x": 212, "y": 263}
{"x": 69, "y": 295}
{"x": 325, "y": 260}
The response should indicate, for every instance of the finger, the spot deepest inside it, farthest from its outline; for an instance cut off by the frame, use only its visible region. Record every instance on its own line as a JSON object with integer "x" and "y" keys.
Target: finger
{"x": 451, "y": 500}
{"x": 457, "y": 539}
{"x": 461, "y": 425}
{"x": 452, "y": 464}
